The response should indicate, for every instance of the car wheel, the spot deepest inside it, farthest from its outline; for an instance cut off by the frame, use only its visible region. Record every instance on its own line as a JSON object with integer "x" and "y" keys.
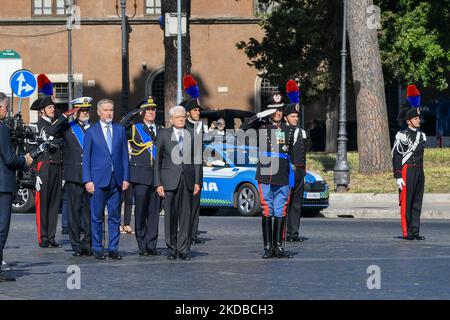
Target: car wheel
{"x": 23, "y": 201}
{"x": 247, "y": 200}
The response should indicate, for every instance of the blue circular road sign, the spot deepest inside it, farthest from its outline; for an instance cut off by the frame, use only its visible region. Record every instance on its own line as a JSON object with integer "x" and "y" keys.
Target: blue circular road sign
{"x": 23, "y": 83}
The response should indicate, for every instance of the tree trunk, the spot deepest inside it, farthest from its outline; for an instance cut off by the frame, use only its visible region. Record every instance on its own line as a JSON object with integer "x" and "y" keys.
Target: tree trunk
{"x": 170, "y": 47}
{"x": 331, "y": 122}
{"x": 372, "y": 120}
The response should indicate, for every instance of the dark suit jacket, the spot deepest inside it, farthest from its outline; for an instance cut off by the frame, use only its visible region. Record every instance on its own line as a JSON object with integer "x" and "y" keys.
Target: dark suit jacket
{"x": 97, "y": 159}
{"x": 9, "y": 162}
{"x": 168, "y": 170}
{"x": 141, "y": 166}
{"x": 73, "y": 151}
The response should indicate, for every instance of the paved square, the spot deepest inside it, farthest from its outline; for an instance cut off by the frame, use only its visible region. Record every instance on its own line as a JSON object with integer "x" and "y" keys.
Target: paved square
{"x": 331, "y": 264}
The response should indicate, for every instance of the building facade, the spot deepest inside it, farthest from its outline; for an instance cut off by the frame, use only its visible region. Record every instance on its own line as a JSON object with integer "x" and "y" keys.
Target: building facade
{"x": 37, "y": 30}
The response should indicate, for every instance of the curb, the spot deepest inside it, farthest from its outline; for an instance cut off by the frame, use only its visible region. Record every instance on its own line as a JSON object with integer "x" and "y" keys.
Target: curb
{"x": 380, "y": 214}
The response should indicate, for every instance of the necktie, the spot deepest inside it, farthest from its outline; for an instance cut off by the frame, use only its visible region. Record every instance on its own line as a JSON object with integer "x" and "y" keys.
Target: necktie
{"x": 109, "y": 137}
{"x": 180, "y": 142}
{"x": 152, "y": 132}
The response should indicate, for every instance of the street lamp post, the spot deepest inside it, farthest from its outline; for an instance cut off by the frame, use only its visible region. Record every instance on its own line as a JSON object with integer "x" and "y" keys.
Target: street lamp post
{"x": 69, "y": 8}
{"x": 341, "y": 170}
{"x": 179, "y": 53}
{"x": 125, "y": 89}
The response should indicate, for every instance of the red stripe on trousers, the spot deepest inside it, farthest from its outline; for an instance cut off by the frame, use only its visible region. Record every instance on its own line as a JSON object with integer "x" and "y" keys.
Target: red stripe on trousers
{"x": 38, "y": 208}
{"x": 403, "y": 203}
{"x": 265, "y": 207}
{"x": 284, "y": 215}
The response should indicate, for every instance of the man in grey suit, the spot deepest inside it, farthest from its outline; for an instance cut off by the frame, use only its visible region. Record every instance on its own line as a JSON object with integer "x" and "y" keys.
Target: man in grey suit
{"x": 177, "y": 180}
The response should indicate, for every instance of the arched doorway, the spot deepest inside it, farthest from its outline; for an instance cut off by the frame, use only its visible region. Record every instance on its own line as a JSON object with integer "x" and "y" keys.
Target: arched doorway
{"x": 155, "y": 85}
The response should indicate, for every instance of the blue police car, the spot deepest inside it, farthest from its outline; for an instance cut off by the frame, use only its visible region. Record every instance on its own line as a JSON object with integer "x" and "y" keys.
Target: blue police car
{"x": 229, "y": 181}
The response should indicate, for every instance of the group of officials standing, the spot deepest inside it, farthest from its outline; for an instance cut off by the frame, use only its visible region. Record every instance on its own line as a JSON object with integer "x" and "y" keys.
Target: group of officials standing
{"x": 164, "y": 168}
{"x": 96, "y": 163}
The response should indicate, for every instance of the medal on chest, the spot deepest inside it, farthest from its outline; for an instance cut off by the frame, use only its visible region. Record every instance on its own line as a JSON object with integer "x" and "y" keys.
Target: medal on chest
{"x": 280, "y": 137}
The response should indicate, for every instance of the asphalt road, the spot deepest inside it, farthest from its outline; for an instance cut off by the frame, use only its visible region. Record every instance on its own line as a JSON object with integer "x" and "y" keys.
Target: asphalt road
{"x": 331, "y": 264}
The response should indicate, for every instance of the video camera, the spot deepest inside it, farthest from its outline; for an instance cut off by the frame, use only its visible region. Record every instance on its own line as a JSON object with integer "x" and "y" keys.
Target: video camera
{"x": 19, "y": 131}
{"x": 23, "y": 135}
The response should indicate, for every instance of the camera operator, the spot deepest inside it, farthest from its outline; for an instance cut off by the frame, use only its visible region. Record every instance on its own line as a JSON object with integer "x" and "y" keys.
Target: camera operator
{"x": 9, "y": 163}
{"x": 49, "y": 173}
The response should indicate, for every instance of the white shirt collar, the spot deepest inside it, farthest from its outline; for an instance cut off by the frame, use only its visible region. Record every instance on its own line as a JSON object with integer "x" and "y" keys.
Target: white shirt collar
{"x": 104, "y": 124}
{"x": 46, "y": 119}
{"x": 175, "y": 130}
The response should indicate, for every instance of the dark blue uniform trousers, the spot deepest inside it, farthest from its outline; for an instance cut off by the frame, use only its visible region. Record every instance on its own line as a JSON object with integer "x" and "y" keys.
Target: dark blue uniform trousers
{"x": 5, "y": 219}
{"x": 109, "y": 197}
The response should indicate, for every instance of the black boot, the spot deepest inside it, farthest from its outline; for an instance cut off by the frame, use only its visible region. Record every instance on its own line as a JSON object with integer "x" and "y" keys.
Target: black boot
{"x": 278, "y": 250}
{"x": 267, "y": 235}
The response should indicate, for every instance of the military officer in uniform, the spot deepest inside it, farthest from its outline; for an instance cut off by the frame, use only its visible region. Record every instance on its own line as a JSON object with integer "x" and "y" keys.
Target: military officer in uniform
{"x": 196, "y": 127}
{"x": 407, "y": 155}
{"x": 142, "y": 137}
{"x": 73, "y": 133}
{"x": 49, "y": 174}
{"x": 291, "y": 117}
{"x": 274, "y": 173}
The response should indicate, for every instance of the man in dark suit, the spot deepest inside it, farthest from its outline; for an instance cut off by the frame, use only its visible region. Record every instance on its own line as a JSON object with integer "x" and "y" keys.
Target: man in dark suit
{"x": 177, "y": 180}
{"x": 105, "y": 175}
{"x": 9, "y": 163}
{"x": 142, "y": 137}
{"x": 77, "y": 197}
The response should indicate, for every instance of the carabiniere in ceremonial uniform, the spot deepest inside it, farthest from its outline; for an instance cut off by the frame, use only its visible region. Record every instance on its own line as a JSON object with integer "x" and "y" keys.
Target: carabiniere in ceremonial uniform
{"x": 49, "y": 174}
{"x": 407, "y": 155}
{"x": 274, "y": 174}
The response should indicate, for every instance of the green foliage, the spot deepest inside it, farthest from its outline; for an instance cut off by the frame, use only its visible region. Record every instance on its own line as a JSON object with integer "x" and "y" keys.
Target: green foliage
{"x": 302, "y": 40}
{"x": 436, "y": 166}
{"x": 303, "y": 37}
{"x": 414, "y": 41}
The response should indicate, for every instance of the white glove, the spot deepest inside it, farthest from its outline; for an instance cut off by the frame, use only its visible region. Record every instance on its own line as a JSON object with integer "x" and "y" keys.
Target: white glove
{"x": 38, "y": 183}
{"x": 400, "y": 183}
{"x": 63, "y": 183}
{"x": 265, "y": 113}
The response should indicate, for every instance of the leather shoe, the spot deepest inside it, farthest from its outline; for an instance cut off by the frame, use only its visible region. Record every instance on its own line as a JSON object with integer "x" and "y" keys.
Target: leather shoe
{"x": 100, "y": 256}
{"x": 172, "y": 256}
{"x": 184, "y": 256}
{"x": 44, "y": 244}
{"x": 86, "y": 252}
{"x": 267, "y": 253}
{"x": 77, "y": 254}
{"x": 419, "y": 237}
{"x": 153, "y": 252}
{"x": 54, "y": 244}
{"x": 409, "y": 238}
{"x": 144, "y": 253}
{"x": 297, "y": 239}
{"x": 5, "y": 278}
{"x": 196, "y": 240}
{"x": 115, "y": 256}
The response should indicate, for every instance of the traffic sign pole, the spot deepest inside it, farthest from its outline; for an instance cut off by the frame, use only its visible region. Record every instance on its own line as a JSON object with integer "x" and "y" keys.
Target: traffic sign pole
{"x": 20, "y": 106}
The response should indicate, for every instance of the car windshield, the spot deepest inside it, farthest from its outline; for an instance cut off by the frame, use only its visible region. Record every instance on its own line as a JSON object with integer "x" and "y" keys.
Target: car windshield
{"x": 243, "y": 156}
